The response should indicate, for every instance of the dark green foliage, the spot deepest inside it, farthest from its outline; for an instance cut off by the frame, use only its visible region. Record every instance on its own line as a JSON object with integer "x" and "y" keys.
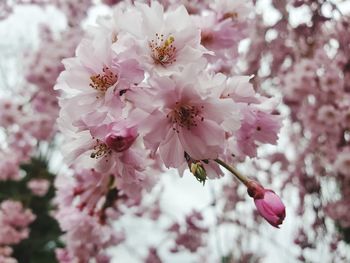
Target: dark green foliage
{"x": 346, "y": 233}
{"x": 247, "y": 258}
{"x": 44, "y": 231}
{"x": 226, "y": 259}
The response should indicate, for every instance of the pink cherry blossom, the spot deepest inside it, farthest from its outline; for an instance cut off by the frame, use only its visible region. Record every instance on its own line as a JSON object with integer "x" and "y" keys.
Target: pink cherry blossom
{"x": 97, "y": 85}
{"x": 191, "y": 122}
{"x": 342, "y": 163}
{"x": 79, "y": 225}
{"x": 269, "y": 205}
{"x": 39, "y": 187}
{"x": 14, "y": 221}
{"x": 192, "y": 236}
{"x": 271, "y": 208}
{"x": 257, "y": 127}
{"x": 165, "y": 42}
{"x": 153, "y": 256}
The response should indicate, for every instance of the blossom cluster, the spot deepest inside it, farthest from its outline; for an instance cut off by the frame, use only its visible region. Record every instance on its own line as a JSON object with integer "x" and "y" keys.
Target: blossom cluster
{"x": 14, "y": 222}
{"x": 193, "y": 236}
{"x": 146, "y": 90}
{"x": 153, "y": 86}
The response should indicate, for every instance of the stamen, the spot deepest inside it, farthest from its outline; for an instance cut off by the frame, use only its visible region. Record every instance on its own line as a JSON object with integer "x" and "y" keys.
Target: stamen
{"x": 103, "y": 81}
{"x": 185, "y": 116}
{"x": 163, "y": 51}
{"x": 100, "y": 150}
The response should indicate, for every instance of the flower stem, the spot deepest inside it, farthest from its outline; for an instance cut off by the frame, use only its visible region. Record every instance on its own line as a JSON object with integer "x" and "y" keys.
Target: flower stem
{"x": 244, "y": 179}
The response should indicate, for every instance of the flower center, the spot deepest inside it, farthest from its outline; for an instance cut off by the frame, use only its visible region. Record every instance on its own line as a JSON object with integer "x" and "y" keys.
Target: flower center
{"x": 100, "y": 150}
{"x": 232, "y": 15}
{"x": 184, "y": 116}
{"x": 101, "y": 82}
{"x": 163, "y": 51}
{"x": 206, "y": 38}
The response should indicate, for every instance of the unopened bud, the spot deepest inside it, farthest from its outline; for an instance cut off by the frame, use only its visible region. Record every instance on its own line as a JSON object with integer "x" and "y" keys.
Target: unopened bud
{"x": 196, "y": 168}
{"x": 198, "y": 171}
{"x": 268, "y": 203}
{"x": 120, "y": 142}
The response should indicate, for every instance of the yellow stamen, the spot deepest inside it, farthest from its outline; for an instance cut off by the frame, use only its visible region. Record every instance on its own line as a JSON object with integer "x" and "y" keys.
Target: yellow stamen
{"x": 103, "y": 81}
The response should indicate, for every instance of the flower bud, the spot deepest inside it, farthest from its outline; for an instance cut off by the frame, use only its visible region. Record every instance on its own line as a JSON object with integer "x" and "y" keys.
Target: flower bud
{"x": 196, "y": 168}
{"x": 120, "y": 142}
{"x": 269, "y": 204}
{"x": 198, "y": 171}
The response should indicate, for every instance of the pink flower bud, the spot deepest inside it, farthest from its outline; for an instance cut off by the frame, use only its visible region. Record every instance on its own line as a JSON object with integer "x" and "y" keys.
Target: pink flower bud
{"x": 120, "y": 142}
{"x": 269, "y": 204}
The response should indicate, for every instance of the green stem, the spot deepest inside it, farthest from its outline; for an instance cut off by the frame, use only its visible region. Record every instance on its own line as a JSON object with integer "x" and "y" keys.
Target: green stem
{"x": 244, "y": 179}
